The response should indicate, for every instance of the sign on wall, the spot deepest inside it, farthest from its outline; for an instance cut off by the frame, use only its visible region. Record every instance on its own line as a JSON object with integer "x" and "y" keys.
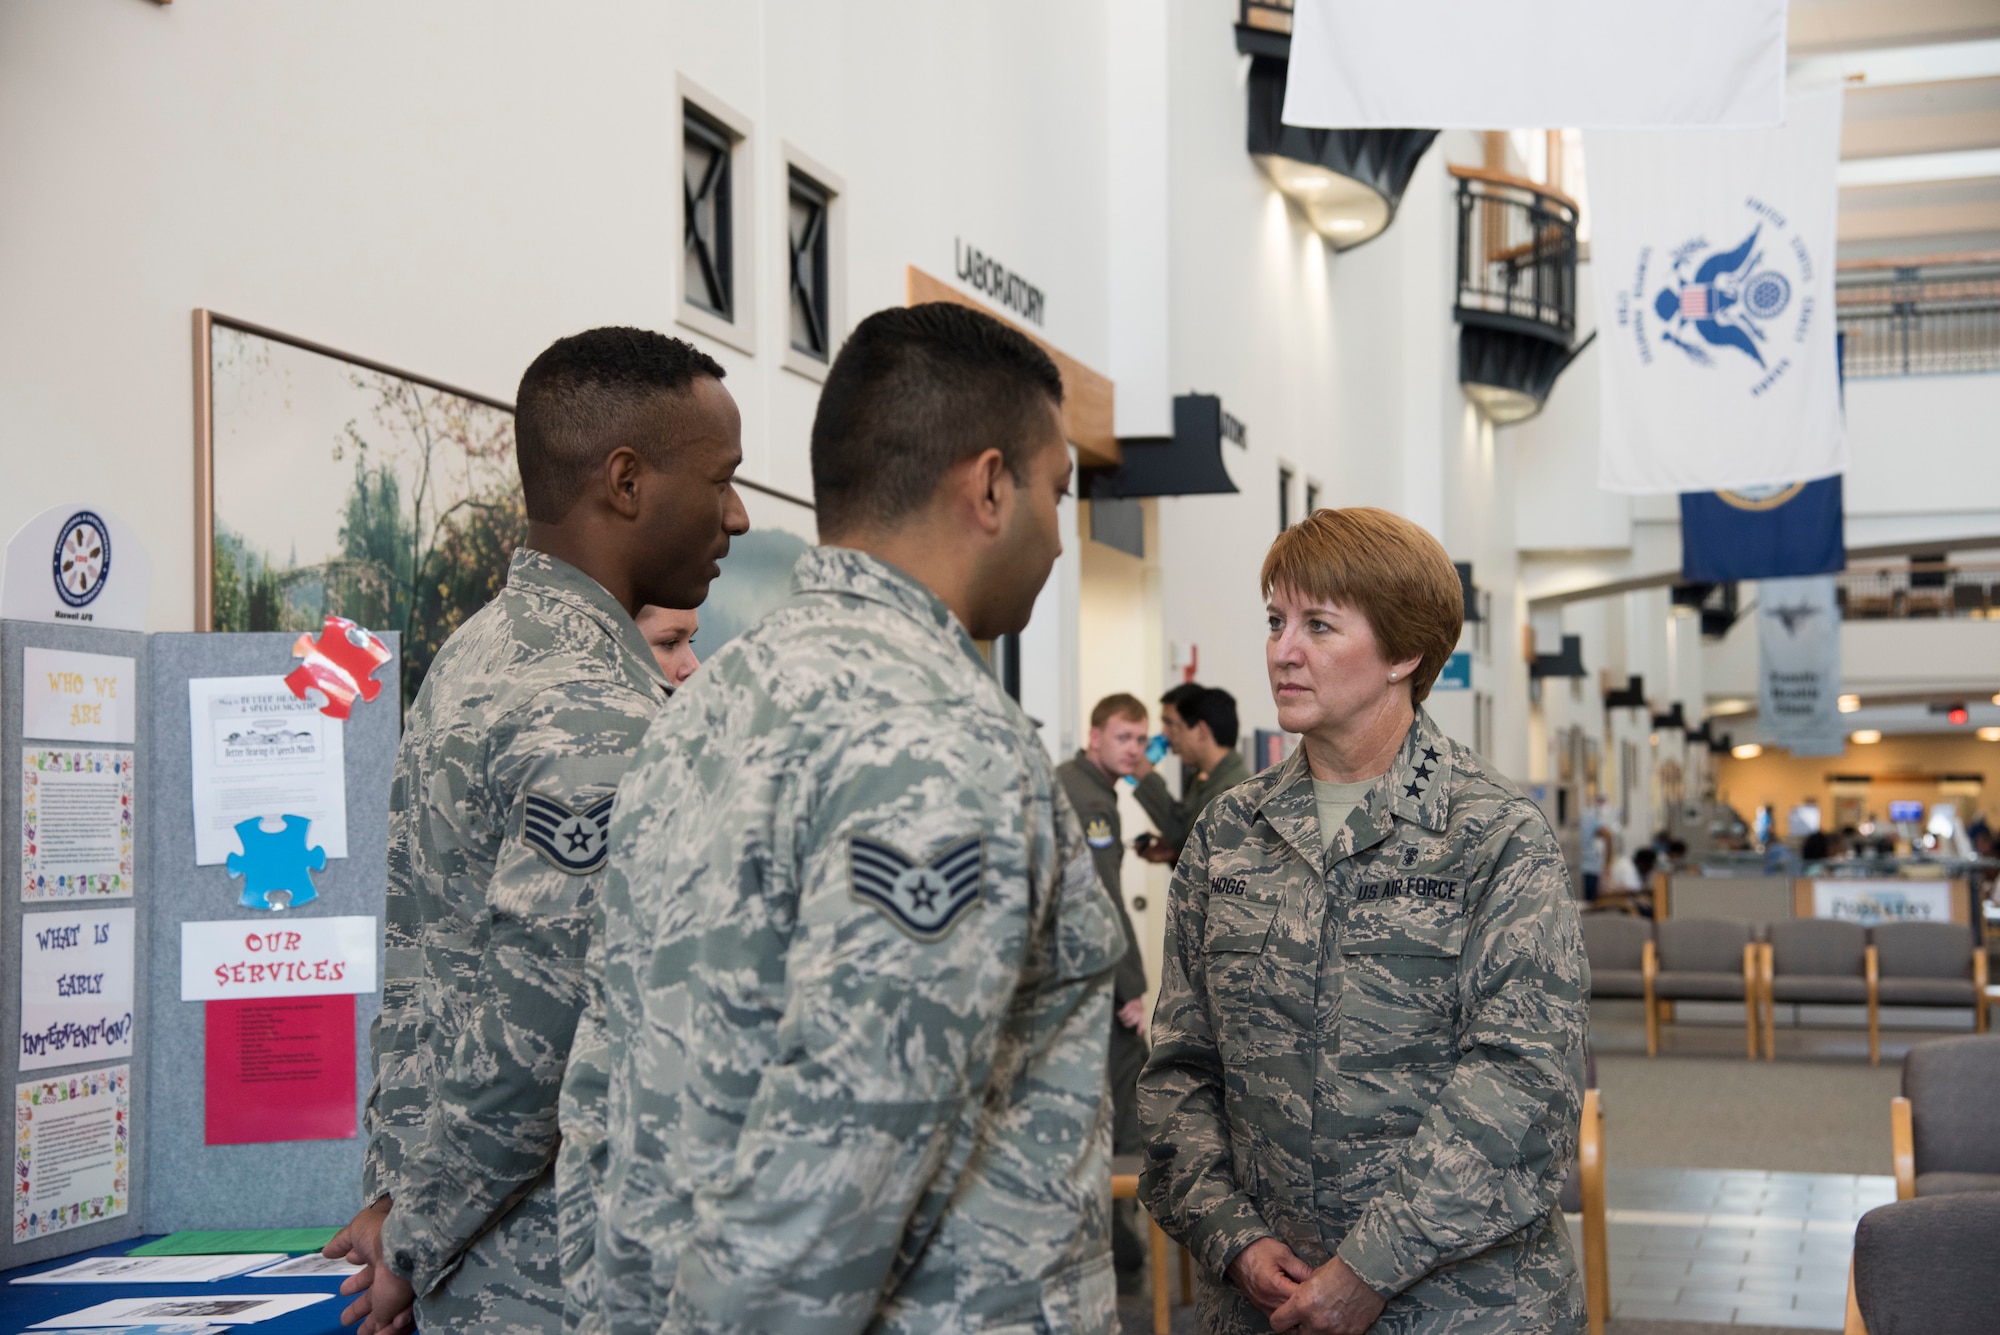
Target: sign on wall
{"x": 76, "y": 565}
{"x": 1798, "y": 664}
{"x": 1872, "y": 902}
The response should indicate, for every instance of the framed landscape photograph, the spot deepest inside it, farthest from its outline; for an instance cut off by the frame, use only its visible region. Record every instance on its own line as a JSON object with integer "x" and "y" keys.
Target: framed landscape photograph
{"x": 329, "y": 484}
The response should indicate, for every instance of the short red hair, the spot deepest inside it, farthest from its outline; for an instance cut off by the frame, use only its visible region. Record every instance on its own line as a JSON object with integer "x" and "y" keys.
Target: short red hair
{"x": 1384, "y": 567}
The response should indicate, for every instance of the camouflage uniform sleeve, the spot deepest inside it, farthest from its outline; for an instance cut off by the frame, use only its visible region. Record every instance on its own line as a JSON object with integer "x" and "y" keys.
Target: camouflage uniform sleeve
{"x": 393, "y": 1113}
{"x": 853, "y": 1126}
{"x": 1188, "y": 1182}
{"x": 580, "y": 1161}
{"x": 491, "y": 1129}
{"x": 1167, "y": 814}
{"x": 1491, "y": 1155}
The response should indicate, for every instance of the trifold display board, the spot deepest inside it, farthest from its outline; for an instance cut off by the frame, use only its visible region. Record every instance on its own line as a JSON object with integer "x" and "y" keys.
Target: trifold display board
{"x": 191, "y": 943}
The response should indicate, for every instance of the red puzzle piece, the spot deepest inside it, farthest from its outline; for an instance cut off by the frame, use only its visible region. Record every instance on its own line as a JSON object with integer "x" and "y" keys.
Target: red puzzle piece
{"x": 339, "y": 666}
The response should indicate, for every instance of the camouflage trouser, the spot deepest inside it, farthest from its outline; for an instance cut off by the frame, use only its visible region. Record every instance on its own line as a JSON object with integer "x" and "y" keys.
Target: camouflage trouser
{"x": 509, "y": 1282}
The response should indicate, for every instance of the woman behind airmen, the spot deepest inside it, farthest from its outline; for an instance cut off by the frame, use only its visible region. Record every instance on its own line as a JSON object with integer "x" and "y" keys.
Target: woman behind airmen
{"x": 1368, "y": 1050}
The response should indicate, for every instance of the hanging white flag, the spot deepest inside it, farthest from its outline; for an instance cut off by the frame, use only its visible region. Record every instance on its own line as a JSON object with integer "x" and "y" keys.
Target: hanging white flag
{"x": 1537, "y": 64}
{"x": 1798, "y": 665}
{"x": 1713, "y": 257}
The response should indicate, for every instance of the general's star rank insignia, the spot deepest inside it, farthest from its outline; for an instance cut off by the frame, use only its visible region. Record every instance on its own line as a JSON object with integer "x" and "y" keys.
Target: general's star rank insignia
{"x": 571, "y": 840}
{"x": 926, "y": 900}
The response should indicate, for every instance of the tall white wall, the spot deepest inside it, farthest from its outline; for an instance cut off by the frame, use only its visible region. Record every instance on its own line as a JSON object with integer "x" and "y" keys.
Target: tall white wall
{"x": 446, "y": 187}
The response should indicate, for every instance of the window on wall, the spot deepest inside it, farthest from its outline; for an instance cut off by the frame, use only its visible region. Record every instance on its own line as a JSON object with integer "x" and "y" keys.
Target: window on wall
{"x": 808, "y": 247}
{"x": 1312, "y": 498}
{"x": 707, "y": 211}
{"x": 1285, "y": 480}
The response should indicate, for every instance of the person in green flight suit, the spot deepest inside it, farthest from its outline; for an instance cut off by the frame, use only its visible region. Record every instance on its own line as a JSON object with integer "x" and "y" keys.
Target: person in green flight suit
{"x": 1206, "y": 744}
{"x": 1116, "y": 746}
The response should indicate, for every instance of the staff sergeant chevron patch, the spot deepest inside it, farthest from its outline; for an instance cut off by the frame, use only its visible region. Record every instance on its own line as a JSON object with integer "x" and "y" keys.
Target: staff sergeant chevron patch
{"x": 924, "y": 900}
{"x": 571, "y": 840}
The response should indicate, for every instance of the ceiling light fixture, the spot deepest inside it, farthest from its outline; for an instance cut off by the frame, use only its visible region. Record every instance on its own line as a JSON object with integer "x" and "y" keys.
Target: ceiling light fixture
{"x": 1865, "y": 737}
{"x": 1747, "y": 751}
{"x": 1989, "y": 734}
{"x": 1849, "y": 703}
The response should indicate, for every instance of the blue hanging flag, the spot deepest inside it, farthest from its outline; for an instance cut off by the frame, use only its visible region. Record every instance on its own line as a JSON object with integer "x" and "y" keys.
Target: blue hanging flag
{"x": 1762, "y": 533}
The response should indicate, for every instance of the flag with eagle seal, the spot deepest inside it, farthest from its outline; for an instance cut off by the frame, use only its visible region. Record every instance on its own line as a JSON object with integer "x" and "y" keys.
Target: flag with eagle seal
{"x": 1713, "y": 257}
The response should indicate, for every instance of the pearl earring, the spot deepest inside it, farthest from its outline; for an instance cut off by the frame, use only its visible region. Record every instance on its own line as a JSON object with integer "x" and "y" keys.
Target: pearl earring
{"x": 1392, "y": 676}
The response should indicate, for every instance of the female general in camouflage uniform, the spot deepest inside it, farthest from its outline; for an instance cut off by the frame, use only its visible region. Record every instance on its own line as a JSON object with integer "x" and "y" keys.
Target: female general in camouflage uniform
{"x": 1368, "y": 1048}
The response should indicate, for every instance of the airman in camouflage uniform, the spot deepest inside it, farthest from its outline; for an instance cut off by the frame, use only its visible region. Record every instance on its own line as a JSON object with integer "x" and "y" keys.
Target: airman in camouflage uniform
{"x": 497, "y": 817}
{"x": 1372, "y": 1046}
{"x": 857, "y": 992}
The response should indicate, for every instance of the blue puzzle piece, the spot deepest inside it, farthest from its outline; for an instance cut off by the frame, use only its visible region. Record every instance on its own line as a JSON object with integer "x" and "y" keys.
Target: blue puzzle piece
{"x": 278, "y": 863}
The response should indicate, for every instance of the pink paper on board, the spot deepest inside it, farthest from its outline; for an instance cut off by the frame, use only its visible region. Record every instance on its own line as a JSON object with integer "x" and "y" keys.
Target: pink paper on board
{"x": 280, "y": 1068}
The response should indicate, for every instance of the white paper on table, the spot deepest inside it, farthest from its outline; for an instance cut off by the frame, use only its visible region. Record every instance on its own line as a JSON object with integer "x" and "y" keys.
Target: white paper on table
{"x": 150, "y": 1328}
{"x": 310, "y": 1266}
{"x": 72, "y": 1153}
{"x": 306, "y": 957}
{"x": 153, "y": 1269}
{"x": 76, "y": 823}
{"x": 227, "y": 1309}
{"x": 258, "y": 750}
{"x": 73, "y": 697}
{"x": 76, "y": 987}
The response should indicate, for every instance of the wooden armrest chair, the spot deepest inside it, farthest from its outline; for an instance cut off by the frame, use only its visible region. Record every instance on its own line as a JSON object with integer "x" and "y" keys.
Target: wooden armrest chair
{"x": 1930, "y": 1266}
{"x": 1583, "y": 1195}
{"x": 1941, "y": 1127}
{"x": 1125, "y": 1187}
{"x": 1816, "y": 960}
{"x": 1615, "y": 944}
{"x": 1702, "y": 959}
{"x": 1925, "y": 964}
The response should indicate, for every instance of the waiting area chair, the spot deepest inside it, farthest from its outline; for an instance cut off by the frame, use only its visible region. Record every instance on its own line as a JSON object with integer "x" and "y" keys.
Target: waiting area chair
{"x": 1927, "y": 1267}
{"x": 1816, "y": 961}
{"x": 1925, "y": 964}
{"x": 1701, "y": 959}
{"x": 1941, "y": 1129}
{"x": 1125, "y": 1187}
{"x": 1615, "y": 944}
{"x": 1583, "y": 1196}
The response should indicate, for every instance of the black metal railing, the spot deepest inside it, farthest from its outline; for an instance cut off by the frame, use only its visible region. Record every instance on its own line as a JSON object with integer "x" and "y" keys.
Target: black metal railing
{"x": 1516, "y": 255}
{"x": 1899, "y": 593}
{"x": 1936, "y": 317}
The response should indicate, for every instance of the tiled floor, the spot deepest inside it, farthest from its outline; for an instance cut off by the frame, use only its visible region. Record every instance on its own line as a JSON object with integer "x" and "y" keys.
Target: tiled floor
{"x": 1753, "y": 1248}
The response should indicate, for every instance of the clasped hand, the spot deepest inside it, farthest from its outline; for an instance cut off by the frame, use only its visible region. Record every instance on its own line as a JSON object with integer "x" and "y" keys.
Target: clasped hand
{"x": 386, "y": 1302}
{"x": 1331, "y": 1300}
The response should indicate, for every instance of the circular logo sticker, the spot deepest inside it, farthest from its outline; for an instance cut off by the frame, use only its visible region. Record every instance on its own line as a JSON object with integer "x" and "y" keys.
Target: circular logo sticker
{"x": 83, "y": 558}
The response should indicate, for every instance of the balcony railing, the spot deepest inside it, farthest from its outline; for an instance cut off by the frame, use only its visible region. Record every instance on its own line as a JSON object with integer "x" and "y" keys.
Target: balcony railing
{"x": 1516, "y": 254}
{"x": 1897, "y": 593}
{"x": 1937, "y": 317}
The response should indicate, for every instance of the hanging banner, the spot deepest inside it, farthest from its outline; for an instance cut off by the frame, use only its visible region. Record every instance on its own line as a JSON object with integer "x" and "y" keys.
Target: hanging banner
{"x": 1762, "y": 532}
{"x": 1798, "y": 665}
{"x": 1714, "y": 259}
{"x": 1477, "y": 65}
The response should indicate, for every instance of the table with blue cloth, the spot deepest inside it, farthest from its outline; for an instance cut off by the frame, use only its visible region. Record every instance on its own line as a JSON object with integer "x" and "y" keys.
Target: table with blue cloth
{"x": 22, "y": 1305}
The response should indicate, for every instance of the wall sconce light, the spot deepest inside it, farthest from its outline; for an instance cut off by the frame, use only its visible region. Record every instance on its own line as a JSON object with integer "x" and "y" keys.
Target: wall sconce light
{"x": 1747, "y": 751}
{"x": 1865, "y": 737}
